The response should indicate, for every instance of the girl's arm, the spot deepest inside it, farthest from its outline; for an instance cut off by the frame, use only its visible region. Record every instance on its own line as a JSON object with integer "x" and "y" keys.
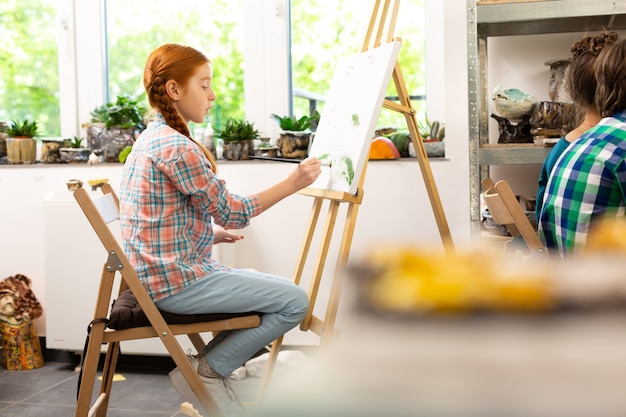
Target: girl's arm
{"x": 304, "y": 175}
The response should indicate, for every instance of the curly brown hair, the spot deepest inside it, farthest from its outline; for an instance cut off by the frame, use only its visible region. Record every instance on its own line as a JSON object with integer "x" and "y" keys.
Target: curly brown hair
{"x": 581, "y": 80}
{"x": 611, "y": 76}
{"x": 172, "y": 62}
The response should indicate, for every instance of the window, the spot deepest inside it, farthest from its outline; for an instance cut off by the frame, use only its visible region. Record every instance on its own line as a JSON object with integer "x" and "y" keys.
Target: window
{"x": 320, "y": 35}
{"x": 136, "y": 28}
{"x": 29, "y": 77}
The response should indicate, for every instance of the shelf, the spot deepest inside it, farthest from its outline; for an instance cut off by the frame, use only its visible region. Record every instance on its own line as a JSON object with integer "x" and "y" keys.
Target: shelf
{"x": 505, "y": 154}
{"x": 550, "y": 16}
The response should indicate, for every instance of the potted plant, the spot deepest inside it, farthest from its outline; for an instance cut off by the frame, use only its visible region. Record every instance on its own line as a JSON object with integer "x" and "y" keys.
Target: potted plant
{"x": 238, "y": 137}
{"x": 51, "y": 150}
{"x": 73, "y": 151}
{"x": 21, "y": 143}
{"x": 3, "y": 142}
{"x": 266, "y": 149}
{"x": 114, "y": 126}
{"x": 433, "y": 135}
{"x": 295, "y": 137}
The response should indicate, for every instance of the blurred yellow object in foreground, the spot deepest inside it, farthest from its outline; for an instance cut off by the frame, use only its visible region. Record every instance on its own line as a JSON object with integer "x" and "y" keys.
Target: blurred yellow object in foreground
{"x": 607, "y": 236}
{"x": 410, "y": 279}
{"x": 97, "y": 181}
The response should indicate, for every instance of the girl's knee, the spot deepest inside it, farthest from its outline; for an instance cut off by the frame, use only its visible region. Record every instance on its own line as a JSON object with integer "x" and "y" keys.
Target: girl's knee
{"x": 300, "y": 303}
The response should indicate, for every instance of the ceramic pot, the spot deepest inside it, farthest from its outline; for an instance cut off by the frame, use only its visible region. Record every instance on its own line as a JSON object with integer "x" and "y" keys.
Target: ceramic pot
{"x": 237, "y": 151}
{"x": 294, "y": 145}
{"x": 3, "y": 145}
{"x": 74, "y": 154}
{"x": 109, "y": 142}
{"x": 50, "y": 151}
{"x": 21, "y": 150}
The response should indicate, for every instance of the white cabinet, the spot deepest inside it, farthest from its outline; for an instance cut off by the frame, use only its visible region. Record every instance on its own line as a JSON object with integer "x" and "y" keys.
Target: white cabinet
{"x": 74, "y": 258}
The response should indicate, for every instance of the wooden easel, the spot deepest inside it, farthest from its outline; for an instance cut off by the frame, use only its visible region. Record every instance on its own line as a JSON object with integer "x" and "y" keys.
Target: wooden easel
{"x": 380, "y": 29}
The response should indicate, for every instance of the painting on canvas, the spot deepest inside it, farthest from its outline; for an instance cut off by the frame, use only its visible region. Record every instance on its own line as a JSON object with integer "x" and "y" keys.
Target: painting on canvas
{"x": 350, "y": 114}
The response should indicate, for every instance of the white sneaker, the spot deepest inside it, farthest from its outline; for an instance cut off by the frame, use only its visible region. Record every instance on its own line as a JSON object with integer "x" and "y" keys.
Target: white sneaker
{"x": 222, "y": 394}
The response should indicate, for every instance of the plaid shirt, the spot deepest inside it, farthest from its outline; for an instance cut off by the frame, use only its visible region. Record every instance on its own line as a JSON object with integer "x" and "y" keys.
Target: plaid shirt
{"x": 168, "y": 200}
{"x": 588, "y": 181}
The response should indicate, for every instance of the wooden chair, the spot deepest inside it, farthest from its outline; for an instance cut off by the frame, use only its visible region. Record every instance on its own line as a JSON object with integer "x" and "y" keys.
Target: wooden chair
{"x": 100, "y": 212}
{"x": 506, "y": 210}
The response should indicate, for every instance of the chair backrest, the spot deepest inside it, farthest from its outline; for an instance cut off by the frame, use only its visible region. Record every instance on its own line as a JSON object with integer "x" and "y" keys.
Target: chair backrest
{"x": 505, "y": 209}
{"x": 101, "y": 211}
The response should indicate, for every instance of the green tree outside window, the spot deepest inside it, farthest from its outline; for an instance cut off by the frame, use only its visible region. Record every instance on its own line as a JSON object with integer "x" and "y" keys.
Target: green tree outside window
{"x": 136, "y": 28}
{"x": 29, "y": 77}
{"x": 321, "y": 35}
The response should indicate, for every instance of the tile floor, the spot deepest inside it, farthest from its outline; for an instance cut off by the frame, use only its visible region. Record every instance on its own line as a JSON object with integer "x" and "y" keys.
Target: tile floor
{"x": 144, "y": 390}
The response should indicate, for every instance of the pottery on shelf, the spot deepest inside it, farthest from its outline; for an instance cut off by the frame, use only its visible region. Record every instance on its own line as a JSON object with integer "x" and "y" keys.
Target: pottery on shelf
{"x": 294, "y": 144}
{"x": 512, "y": 103}
{"x": 266, "y": 149}
{"x": 71, "y": 155}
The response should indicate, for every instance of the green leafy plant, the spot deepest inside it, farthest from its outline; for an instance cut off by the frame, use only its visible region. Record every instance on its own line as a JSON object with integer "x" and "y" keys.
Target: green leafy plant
{"x": 295, "y": 124}
{"x": 25, "y": 129}
{"x": 75, "y": 142}
{"x": 237, "y": 130}
{"x": 434, "y": 131}
{"x": 125, "y": 112}
{"x": 124, "y": 153}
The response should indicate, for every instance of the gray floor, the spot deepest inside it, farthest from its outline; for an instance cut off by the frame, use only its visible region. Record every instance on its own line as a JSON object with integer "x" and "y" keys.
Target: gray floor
{"x": 142, "y": 390}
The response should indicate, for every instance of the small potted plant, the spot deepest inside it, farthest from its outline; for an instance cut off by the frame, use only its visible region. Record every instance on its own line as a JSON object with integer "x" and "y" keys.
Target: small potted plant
{"x": 73, "y": 151}
{"x": 295, "y": 137}
{"x": 51, "y": 150}
{"x": 238, "y": 137}
{"x": 433, "y": 134}
{"x": 21, "y": 143}
{"x": 3, "y": 142}
{"x": 114, "y": 126}
{"x": 266, "y": 149}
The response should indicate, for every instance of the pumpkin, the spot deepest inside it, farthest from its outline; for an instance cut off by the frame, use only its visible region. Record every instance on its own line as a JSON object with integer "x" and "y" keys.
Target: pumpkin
{"x": 383, "y": 148}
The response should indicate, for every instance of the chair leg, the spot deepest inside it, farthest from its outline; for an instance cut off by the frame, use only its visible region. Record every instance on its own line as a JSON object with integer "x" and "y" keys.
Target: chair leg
{"x": 197, "y": 341}
{"x": 90, "y": 370}
{"x": 108, "y": 372}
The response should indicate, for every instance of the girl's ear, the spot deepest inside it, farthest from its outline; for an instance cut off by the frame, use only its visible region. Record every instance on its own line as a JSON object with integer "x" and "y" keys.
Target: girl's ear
{"x": 171, "y": 87}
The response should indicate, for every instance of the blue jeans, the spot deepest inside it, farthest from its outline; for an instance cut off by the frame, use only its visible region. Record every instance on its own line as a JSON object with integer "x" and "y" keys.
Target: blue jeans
{"x": 282, "y": 303}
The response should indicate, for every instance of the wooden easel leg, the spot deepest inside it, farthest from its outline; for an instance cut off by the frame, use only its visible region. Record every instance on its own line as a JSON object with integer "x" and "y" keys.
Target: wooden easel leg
{"x": 269, "y": 366}
{"x": 297, "y": 276}
{"x": 422, "y": 158}
{"x": 306, "y": 245}
{"x": 325, "y": 240}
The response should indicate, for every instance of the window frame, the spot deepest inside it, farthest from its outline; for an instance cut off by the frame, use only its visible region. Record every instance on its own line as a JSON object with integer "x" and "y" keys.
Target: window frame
{"x": 82, "y": 62}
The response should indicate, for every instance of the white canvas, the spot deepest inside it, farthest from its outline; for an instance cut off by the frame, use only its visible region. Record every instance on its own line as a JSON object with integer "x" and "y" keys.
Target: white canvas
{"x": 348, "y": 120}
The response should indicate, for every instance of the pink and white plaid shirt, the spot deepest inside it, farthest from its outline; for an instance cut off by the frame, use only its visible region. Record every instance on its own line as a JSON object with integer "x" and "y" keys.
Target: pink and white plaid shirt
{"x": 169, "y": 197}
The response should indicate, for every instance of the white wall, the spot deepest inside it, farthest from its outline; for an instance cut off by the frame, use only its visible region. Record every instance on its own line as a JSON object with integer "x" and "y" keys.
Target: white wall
{"x": 395, "y": 209}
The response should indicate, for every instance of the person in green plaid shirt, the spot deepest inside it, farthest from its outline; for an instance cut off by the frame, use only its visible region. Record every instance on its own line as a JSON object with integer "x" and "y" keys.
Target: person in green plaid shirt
{"x": 588, "y": 181}
{"x": 581, "y": 86}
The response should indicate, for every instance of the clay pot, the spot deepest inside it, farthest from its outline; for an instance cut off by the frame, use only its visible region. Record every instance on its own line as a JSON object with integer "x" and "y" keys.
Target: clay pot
{"x": 294, "y": 145}
{"x": 21, "y": 150}
{"x": 237, "y": 151}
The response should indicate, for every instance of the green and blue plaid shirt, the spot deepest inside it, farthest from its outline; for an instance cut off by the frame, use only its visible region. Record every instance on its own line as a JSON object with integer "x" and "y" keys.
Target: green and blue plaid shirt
{"x": 587, "y": 182}
{"x": 169, "y": 197}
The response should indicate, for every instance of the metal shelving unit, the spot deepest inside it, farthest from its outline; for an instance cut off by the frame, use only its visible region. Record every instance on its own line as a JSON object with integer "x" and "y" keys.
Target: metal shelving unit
{"x": 488, "y": 18}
